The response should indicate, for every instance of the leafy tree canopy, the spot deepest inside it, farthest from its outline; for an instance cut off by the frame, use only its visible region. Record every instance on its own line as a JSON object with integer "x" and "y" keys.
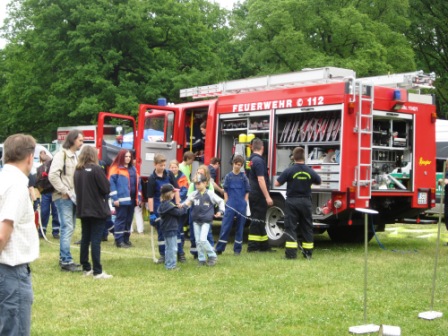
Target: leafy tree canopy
{"x": 288, "y": 35}
{"x": 69, "y": 59}
{"x": 429, "y": 35}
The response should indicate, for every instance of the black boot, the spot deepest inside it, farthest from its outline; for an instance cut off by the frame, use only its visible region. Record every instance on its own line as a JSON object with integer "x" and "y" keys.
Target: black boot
{"x": 181, "y": 257}
{"x": 307, "y": 254}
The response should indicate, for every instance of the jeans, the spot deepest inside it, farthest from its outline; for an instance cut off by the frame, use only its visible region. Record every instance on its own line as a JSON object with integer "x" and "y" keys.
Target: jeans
{"x": 193, "y": 247}
{"x": 16, "y": 298}
{"x": 46, "y": 205}
{"x": 170, "y": 250}
{"x": 91, "y": 234}
{"x": 202, "y": 244}
{"x": 67, "y": 218}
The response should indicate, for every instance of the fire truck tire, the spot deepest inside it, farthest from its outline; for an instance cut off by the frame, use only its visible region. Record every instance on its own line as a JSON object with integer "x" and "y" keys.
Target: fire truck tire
{"x": 349, "y": 234}
{"x": 275, "y": 222}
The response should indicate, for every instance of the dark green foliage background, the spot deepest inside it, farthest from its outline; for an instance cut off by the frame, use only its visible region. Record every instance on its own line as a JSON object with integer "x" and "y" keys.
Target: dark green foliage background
{"x": 67, "y": 60}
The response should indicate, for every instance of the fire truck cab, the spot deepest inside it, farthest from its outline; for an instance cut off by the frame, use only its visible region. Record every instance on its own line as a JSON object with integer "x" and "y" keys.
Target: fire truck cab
{"x": 357, "y": 134}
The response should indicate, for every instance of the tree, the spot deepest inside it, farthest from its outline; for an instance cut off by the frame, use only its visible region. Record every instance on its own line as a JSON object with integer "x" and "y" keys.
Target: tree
{"x": 67, "y": 60}
{"x": 288, "y": 35}
{"x": 429, "y": 34}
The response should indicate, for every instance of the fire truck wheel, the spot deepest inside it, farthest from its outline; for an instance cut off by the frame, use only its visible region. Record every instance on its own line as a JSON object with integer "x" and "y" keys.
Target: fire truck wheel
{"x": 275, "y": 222}
{"x": 349, "y": 234}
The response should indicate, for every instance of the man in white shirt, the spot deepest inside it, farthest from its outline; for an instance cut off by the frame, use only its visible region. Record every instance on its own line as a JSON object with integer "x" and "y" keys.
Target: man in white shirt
{"x": 19, "y": 241}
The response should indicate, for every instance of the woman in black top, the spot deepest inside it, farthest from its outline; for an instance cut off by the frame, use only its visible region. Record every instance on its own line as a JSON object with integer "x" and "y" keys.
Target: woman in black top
{"x": 92, "y": 189}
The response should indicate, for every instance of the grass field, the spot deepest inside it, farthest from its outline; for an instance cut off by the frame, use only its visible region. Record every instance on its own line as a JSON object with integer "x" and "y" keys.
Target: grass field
{"x": 253, "y": 294}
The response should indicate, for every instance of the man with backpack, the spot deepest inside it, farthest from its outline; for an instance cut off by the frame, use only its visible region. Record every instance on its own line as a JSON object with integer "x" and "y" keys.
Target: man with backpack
{"x": 61, "y": 176}
{"x": 46, "y": 191}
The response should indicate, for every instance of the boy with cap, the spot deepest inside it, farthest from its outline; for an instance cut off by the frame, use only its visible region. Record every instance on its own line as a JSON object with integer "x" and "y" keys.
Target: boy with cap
{"x": 169, "y": 217}
{"x": 202, "y": 202}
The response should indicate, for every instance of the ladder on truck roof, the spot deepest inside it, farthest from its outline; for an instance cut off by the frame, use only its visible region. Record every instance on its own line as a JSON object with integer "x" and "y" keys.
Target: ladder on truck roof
{"x": 293, "y": 79}
{"x": 416, "y": 79}
{"x": 407, "y": 80}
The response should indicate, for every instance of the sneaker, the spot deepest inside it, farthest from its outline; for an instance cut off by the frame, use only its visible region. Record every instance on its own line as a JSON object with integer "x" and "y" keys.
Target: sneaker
{"x": 211, "y": 261}
{"x": 202, "y": 263}
{"x": 218, "y": 252}
{"x": 88, "y": 273}
{"x": 122, "y": 245}
{"x": 128, "y": 243}
{"x": 56, "y": 236}
{"x": 70, "y": 268}
{"x": 161, "y": 260}
{"x": 103, "y": 275}
{"x": 70, "y": 262}
{"x": 181, "y": 257}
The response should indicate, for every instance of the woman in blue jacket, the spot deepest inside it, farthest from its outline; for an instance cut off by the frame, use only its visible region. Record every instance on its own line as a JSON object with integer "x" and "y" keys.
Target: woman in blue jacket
{"x": 125, "y": 192}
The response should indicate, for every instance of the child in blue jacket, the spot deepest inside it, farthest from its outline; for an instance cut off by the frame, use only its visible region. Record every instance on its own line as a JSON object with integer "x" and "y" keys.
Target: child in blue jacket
{"x": 169, "y": 224}
{"x": 182, "y": 182}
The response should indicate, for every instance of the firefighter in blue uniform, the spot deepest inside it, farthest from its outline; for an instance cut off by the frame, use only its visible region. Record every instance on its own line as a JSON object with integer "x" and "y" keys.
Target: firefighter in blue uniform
{"x": 298, "y": 207}
{"x": 259, "y": 199}
{"x": 236, "y": 194}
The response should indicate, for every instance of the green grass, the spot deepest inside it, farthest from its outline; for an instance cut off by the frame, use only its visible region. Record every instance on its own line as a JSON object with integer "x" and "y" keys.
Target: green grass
{"x": 254, "y": 294}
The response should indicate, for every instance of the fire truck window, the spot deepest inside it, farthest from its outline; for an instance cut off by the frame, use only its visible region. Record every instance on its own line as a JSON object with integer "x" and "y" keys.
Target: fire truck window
{"x": 118, "y": 132}
{"x": 194, "y": 133}
{"x": 154, "y": 129}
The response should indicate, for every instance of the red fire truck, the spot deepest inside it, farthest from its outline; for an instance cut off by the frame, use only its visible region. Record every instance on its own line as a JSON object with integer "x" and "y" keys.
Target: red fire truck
{"x": 357, "y": 134}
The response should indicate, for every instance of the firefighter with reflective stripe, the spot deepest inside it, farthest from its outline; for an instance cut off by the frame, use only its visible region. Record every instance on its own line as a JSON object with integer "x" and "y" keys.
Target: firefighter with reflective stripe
{"x": 236, "y": 196}
{"x": 156, "y": 180}
{"x": 259, "y": 198}
{"x": 298, "y": 208}
{"x": 125, "y": 195}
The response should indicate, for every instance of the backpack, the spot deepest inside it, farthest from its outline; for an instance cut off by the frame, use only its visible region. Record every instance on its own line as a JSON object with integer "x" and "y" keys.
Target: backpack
{"x": 42, "y": 182}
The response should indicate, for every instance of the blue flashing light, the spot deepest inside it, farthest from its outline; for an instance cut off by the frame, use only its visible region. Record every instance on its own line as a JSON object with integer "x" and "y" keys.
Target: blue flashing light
{"x": 161, "y": 102}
